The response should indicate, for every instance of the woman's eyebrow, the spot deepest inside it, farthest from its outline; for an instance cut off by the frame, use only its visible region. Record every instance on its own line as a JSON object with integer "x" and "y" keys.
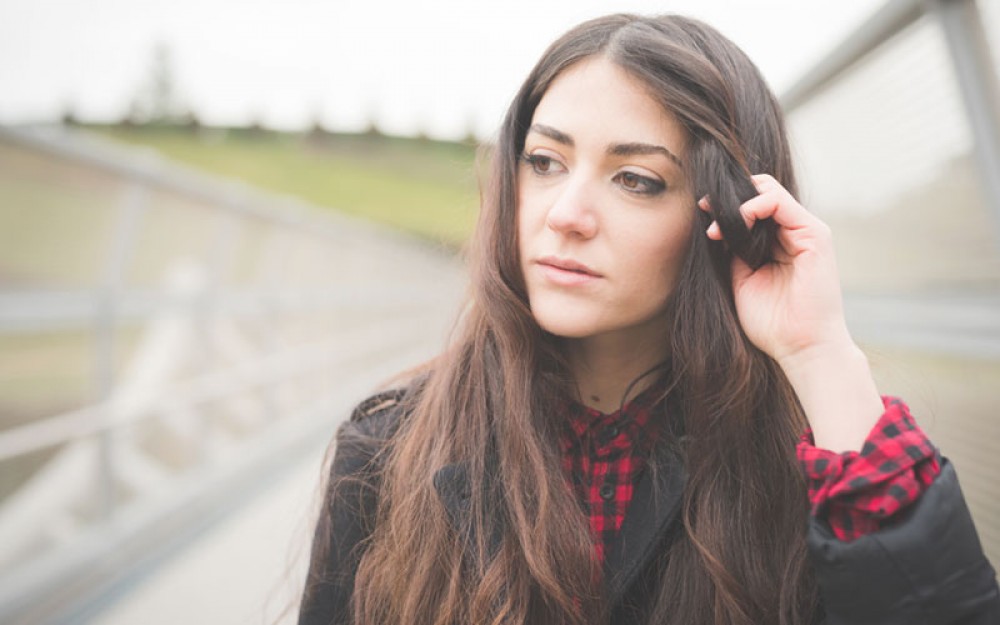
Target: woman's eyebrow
{"x": 617, "y": 149}
{"x": 631, "y": 149}
{"x": 552, "y": 133}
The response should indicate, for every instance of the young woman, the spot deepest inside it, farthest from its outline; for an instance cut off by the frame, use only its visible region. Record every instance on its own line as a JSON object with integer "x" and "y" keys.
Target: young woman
{"x": 616, "y": 434}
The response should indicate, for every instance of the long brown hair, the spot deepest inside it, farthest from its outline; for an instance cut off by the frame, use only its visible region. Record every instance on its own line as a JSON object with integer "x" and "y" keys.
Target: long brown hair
{"x": 488, "y": 401}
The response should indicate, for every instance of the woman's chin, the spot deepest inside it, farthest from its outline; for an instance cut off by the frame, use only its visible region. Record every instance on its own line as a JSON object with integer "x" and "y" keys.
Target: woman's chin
{"x": 567, "y": 326}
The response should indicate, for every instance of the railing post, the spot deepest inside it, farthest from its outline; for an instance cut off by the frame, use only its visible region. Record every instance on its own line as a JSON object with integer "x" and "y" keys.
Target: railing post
{"x": 218, "y": 262}
{"x": 130, "y": 212}
{"x": 272, "y": 280}
{"x": 962, "y": 25}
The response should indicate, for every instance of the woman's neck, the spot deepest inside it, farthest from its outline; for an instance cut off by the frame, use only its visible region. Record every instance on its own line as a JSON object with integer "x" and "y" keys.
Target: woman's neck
{"x": 604, "y": 367}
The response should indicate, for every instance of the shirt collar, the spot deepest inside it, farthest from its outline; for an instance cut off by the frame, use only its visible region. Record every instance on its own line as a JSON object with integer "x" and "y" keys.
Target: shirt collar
{"x": 581, "y": 422}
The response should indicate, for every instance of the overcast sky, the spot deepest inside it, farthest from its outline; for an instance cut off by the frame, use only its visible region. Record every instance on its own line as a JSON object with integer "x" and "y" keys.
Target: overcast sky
{"x": 432, "y": 66}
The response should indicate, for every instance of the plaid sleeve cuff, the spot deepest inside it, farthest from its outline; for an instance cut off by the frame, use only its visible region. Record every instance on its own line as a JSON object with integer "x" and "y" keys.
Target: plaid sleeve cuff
{"x": 859, "y": 493}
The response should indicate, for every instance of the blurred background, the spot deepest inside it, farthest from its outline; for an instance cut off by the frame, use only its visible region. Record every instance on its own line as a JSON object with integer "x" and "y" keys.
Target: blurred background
{"x": 222, "y": 224}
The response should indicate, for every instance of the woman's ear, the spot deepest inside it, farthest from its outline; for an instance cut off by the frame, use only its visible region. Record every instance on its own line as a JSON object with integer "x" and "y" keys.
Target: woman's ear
{"x": 716, "y": 174}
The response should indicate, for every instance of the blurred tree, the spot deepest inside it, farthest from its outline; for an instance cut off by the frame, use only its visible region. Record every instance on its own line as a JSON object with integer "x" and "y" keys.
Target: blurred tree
{"x": 156, "y": 100}
{"x": 256, "y": 128}
{"x": 470, "y": 138}
{"x": 318, "y": 135}
{"x": 68, "y": 117}
{"x": 191, "y": 122}
{"x": 371, "y": 127}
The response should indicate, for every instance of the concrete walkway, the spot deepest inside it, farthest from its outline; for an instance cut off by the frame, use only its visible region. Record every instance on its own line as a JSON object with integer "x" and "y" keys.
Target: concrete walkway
{"x": 247, "y": 569}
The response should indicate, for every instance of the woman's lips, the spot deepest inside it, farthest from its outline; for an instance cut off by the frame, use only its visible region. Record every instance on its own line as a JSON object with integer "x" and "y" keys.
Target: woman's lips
{"x": 566, "y": 271}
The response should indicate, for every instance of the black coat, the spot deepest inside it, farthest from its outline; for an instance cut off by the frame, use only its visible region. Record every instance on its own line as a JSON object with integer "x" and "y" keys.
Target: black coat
{"x": 928, "y": 569}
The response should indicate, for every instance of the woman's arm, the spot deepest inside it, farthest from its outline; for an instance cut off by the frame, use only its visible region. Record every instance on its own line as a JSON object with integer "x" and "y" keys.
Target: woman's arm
{"x": 926, "y": 566}
{"x": 929, "y": 568}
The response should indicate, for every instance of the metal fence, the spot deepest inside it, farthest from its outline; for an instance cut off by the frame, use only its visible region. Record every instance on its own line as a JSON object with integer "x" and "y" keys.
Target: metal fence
{"x": 167, "y": 343}
{"x": 897, "y": 135}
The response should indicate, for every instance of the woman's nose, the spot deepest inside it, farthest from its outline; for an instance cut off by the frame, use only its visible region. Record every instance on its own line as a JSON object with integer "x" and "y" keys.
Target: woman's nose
{"x": 572, "y": 213}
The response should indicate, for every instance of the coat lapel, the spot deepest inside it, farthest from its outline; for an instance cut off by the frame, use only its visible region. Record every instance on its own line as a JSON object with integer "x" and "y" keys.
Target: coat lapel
{"x": 654, "y": 507}
{"x": 452, "y": 485}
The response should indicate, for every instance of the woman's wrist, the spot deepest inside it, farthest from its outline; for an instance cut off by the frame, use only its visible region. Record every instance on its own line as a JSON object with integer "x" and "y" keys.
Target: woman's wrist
{"x": 835, "y": 387}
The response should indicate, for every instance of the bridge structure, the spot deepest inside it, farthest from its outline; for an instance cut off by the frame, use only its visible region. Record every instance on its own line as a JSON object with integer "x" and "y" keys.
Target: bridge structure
{"x": 205, "y": 339}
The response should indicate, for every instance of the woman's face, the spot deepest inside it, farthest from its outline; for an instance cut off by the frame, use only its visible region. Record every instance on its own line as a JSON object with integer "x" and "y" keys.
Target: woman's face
{"x": 604, "y": 212}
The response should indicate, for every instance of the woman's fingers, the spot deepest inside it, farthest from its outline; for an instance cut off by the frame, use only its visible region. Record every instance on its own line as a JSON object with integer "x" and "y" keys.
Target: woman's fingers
{"x": 773, "y": 201}
{"x": 777, "y": 203}
{"x": 713, "y": 230}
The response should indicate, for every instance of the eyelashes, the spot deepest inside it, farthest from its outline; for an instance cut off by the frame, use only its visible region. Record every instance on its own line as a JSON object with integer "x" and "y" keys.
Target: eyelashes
{"x": 629, "y": 181}
{"x": 539, "y": 163}
{"x": 636, "y": 183}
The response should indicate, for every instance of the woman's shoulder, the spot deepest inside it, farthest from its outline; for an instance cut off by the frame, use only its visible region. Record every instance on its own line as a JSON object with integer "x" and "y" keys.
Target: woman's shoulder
{"x": 363, "y": 442}
{"x": 358, "y": 449}
{"x": 380, "y": 409}
{"x": 377, "y": 418}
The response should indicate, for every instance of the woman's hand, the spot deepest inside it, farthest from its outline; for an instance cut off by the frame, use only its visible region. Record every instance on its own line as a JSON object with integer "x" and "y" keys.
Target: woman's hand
{"x": 792, "y": 305}
{"x": 793, "y": 311}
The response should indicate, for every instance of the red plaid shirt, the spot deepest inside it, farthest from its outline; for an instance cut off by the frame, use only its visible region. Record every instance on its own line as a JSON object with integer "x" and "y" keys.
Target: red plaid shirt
{"x": 605, "y": 454}
{"x": 859, "y": 492}
{"x": 603, "y": 457}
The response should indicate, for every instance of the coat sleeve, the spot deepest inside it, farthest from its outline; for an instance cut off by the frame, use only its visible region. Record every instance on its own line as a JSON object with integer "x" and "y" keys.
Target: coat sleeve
{"x": 346, "y": 520}
{"x": 928, "y": 568}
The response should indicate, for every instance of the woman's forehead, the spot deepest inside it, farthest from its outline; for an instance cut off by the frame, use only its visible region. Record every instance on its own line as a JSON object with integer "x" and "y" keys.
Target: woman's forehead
{"x": 597, "y": 100}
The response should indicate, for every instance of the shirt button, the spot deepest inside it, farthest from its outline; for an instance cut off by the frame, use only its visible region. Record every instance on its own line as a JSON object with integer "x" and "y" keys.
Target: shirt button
{"x": 611, "y": 432}
{"x": 607, "y": 492}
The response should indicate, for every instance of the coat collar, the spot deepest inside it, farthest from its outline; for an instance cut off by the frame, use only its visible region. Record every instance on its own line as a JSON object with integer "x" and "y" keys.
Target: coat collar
{"x": 652, "y": 511}
{"x": 655, "y": 504}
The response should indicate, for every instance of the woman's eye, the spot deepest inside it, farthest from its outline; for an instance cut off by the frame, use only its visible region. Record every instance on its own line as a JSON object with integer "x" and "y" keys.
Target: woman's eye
{"x": 635, "y": 183}
{"x": 630, "y": 180}
{"x": 541, "y": 164}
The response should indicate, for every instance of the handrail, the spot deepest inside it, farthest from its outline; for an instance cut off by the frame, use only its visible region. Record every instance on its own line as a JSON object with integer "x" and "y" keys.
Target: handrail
{"x": 961, "y": 26}
{"x": 38, "y": 310}
{"x": 890, "y": 19}
{"x": 269, "y": 370}
{"x": 145, "y": 167}
{"x": 148, "y": 168}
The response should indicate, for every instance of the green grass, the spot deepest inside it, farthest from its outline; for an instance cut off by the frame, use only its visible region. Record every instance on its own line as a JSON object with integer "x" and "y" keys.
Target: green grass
{"x": 424, "y": 187}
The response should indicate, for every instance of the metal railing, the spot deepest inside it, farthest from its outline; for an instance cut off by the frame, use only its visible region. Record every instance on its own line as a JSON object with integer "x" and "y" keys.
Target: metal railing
{"x": 230, "y": 371}
{"x": 961, "y": 24}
